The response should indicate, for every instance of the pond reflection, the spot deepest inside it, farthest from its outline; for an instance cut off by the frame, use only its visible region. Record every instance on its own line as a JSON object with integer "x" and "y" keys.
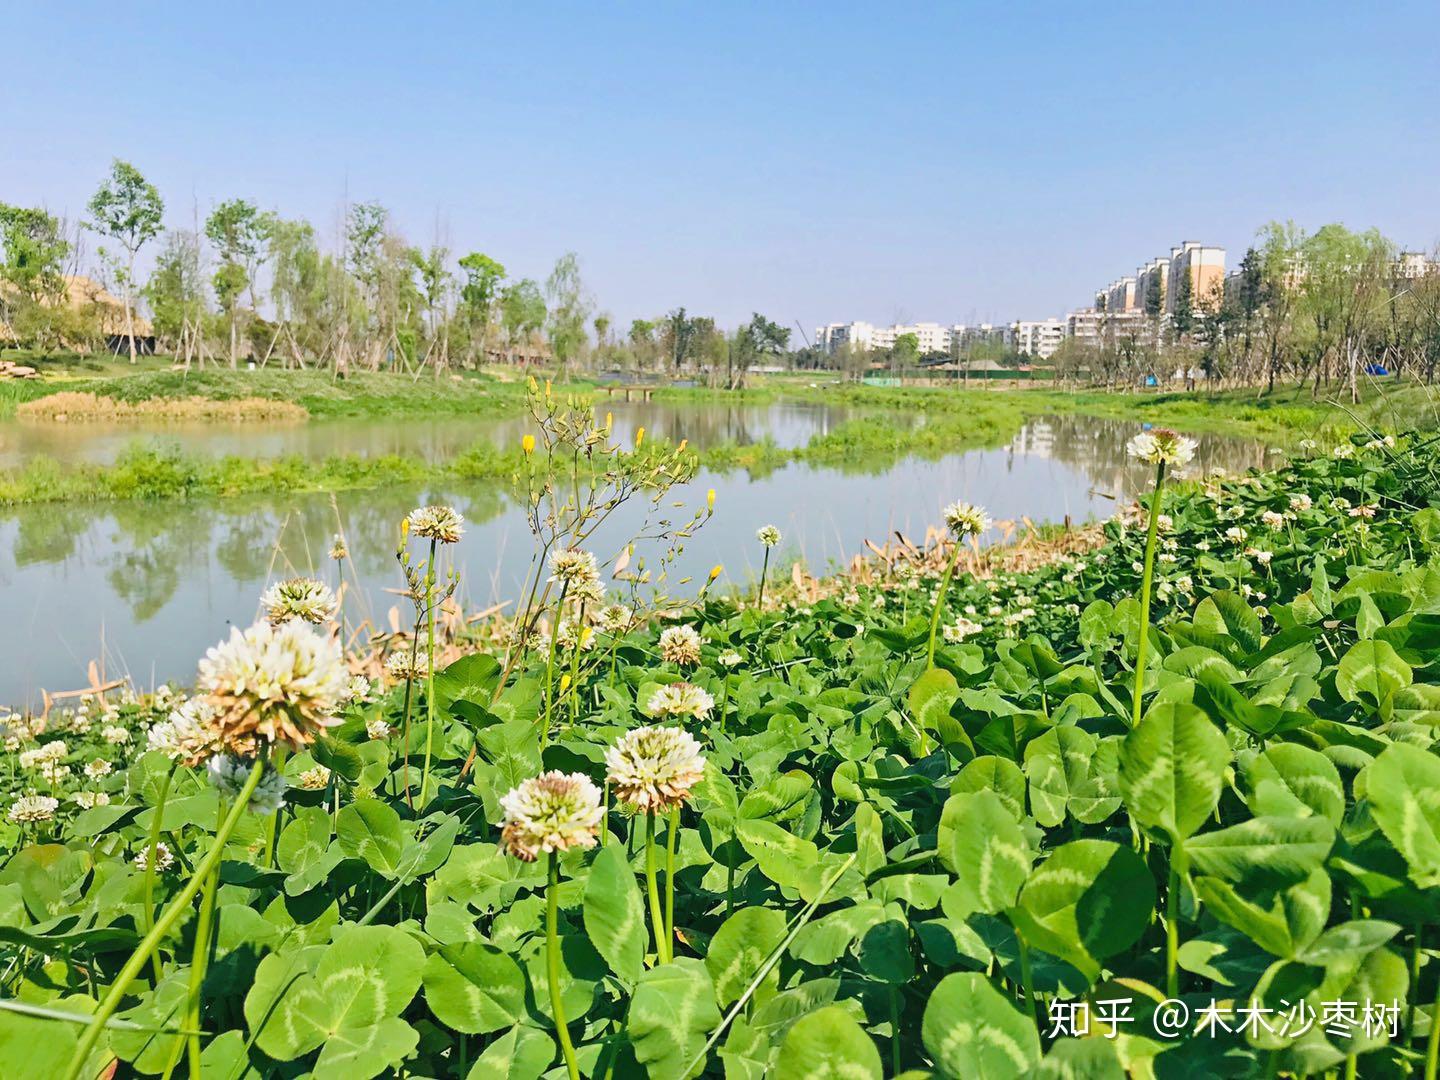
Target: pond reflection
{"x": 148, "y": 586}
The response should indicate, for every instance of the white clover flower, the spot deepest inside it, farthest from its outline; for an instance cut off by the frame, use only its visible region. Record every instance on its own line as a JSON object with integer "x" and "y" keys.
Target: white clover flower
{"x": 315, "y": 779}
{"x": 88, "y": 800}
{"x": 1167, "y": 557}
{"x": 300, "y": 598}
{"x": 570, "y": 636}
{"x": 590, "y": 592}
{"x": 654, "y": 768}
{"x": 768, "y": 535}
{"x": 55, "y": 774}
{"x": 115, "y": 735}
{"x": 1365, "y": 510}
{"x": 1161, "y": 446}
{"x": 229, "y": 774}
{"x": 32, "y": 809}
{"x": 1164, "y": 523}
{"x": 680, "y": 699}
{"x": 97, "y": 768}
{"x": 1307, "y": 444}
{"x": 377, "y": 729}
{"x": 1202, "y": 545}
{"x": 1300, "y": 502}
{"x": 572, "y": 567}
{"x": 552, "y": 812}
{"x": 440, "y": 523}
{"x": 680, "y": 645}
{"x": 960, "y": 629}
{"x": 278, "y": 683}
{"x": 338, "y": 548}
{"x": 1164, "y": 589}
{"x": 1185, "y": 583}
{"x": 164, "y": 858}
{"x": 1236, "y": 534}
{"x": 1260, "y": 555}
{"x": 615, "y": 618}
{"x": 190, "y": 734}
{"x": 965, "y": 519}
{"x": 401, "y": 665}
{"x": 730, "y": 658}
{"x": 1272, "y": 519}
{"x": 1343, "y": 450}
{"x": 1340, "y": 503}
{"x": 359, "y": 691}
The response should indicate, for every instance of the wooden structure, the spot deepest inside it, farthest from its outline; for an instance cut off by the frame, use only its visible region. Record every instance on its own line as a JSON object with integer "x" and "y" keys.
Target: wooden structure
{"x": 641, "y": 390}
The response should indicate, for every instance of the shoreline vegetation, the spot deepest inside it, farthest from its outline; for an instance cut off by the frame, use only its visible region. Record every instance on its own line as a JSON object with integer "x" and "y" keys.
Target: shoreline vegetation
{"x": 946, "y": 420}
{"x": 949, "y": 786}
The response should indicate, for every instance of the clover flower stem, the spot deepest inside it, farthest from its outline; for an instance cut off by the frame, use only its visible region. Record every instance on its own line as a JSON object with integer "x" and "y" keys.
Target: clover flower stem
{"x": 1172, "y": 929}
{"x": 657, "y": 917}
{"x": 1145, "y": 580}
{"x": 605, "y": 814}
{"x": 895, "y": 1047}
{"x": 1432, "y": 1045}
{"x": 940, "y": 604}
{"x": 162, "y": 926}
{"x": 429, "y": 669}
{"x": 764, "y": 568}
{"x": 1415, "y": 942}
{"x": 672, "y": 837}
{"x": 199, "y": 961}
{"x": 550, "y": 666}
{"x": 1027, "y": 979}
{"x": 574, "y": 711}
{"x": 150, "y": 861}
{"x": 730, "y": 877}
{"x": 552, "y": 965}
{"x": 405, "y": 723}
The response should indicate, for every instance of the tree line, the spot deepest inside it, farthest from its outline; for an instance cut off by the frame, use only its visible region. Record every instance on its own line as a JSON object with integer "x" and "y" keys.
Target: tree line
{"x": 1324, "y": 309}
{"x": 249, "y": 284}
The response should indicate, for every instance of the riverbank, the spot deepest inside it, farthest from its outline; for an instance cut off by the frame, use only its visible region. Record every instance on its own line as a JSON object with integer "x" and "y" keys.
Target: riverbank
{"x": 883, "y": 427}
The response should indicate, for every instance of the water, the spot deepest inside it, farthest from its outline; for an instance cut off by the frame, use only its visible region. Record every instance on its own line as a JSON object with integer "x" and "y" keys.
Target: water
{"x": 789, "y": 424}
{"x": 148, "y": 586}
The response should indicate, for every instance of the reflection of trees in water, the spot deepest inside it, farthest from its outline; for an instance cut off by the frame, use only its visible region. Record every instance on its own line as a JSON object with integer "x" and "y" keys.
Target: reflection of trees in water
{"x": 1097, "y": 446}
{"x": 43, "y": 537}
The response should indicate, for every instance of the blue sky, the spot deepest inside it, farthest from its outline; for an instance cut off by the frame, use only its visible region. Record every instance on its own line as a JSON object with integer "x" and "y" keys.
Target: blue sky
{"x": 815, "y": 162}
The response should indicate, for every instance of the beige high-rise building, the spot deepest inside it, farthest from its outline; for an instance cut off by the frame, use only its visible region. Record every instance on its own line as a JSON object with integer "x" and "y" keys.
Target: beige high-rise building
{"x": 1152, "y": 276}
{"x": 1120, "y": 296}
{"x": 1205, "y": 267}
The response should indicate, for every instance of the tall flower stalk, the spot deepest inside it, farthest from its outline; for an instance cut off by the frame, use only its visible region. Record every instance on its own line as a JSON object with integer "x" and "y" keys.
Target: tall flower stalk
{"x": 550, "y": 814}
{"x": 769, "y": 536}
{"x": 163, "y": 925}
{"x": 1160, "y": 448}
{"x": 963, "y": 520}
{"x": 439, "y": 525}
{"x": 653, "y": 769}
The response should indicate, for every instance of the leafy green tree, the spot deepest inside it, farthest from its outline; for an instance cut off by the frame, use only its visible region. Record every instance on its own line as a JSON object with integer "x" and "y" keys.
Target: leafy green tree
{"x": 906, "y": 351}
{"x": 522, "y": 312}
{"x": 642, "y": 341}
{"x": 568, "y": 310}
{"x": 176, "y": 288}
{"x": 757, "y": 340}
{"x": 435, "y": 279}
{"x": 1182, "y": 319}
{"x": 128, "y": 209}
{"x": 33, "y": 250}
{"x": 237, "y": 229}
{"x": 1154, "y": 296}
{"x": 478, "y": 296}
{"x": 678, "y": 332}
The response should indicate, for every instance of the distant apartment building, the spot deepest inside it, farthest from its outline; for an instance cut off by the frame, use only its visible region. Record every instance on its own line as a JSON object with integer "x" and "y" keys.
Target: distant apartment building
{"x": 1152, "y": 279}
{"x": 1119, "y": 295}
{"x": 967, "y": 336}
{"x": 837, "y": 336}
{"x": 1039, "y": 339}
{"x": 1410, "y": 265}
{"x": 1090, "y": 326}
{"x": 1204, "y": 266}
{"x": 930, "y": 337}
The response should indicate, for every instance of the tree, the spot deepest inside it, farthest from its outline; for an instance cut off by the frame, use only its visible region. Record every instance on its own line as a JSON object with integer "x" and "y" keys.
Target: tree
{"x": 905, "y": 351}
{"x": 297, "y": 284}
{"x": 1182, "y": 319}
{"x": 435, "y": 278}
{"x": 237, "y": 229}
{"x": 643, "y": 345}
{"x": 522, "y": 311}
{"x": 128, "y": 209}
{"x": 568, "y": 309}
{"x": 757, "y": 339}
{"x": 1345, "y": 275}
{"x": 478, "y": 296}
{"x": 601, "y": 323}
{"x": 677, "y": 335}
{"x": 1154, "y": 296}
{"x": 176, "y": 289}
{"x": 33, "y": 250}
